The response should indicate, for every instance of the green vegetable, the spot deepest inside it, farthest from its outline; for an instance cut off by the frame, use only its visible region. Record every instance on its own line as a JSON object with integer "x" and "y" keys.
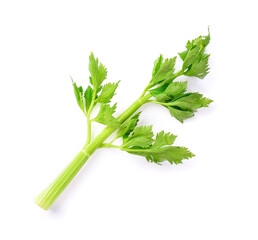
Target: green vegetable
{"x": 163, "y": 89}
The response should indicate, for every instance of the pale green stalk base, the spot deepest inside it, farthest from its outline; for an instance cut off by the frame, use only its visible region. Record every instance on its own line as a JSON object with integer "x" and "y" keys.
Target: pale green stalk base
{"x": 50, "y": 194}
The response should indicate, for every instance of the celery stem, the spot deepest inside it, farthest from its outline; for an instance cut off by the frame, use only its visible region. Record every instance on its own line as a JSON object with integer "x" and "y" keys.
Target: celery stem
{"x": 88, "y": 130}
{"x": 50, "y": 194}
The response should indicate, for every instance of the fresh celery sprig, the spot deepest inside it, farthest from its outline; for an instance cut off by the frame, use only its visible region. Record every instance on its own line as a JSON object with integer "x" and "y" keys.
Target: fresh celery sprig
{"x": 138, "y": 140}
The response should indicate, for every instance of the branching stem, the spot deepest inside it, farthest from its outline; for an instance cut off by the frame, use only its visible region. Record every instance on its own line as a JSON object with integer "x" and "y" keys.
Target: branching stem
{"x": 50, "y": 194}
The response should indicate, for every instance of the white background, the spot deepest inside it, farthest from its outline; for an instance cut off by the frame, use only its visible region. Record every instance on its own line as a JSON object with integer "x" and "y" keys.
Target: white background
{"x": 117, "y": 195}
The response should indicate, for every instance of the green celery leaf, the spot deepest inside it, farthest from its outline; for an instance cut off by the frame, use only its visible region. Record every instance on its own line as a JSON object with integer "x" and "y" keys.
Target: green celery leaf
{"x": 165, "y": 71}
{"x": 181, "y": 105}
{"x": 157, "y": 65}
{"x": 195, "y": 60}
{"x": 170, "y": 91}
{"x": 183, "y": 55}
{"x": 78, "y": 91}
{"x": 99, "y": 89}
{"x": 158, "y": 90}
{"x": 172, "y": 154}
{"x": 107, "y": 92}
{"x": 184, "y": 106}
{"x": 191, "y": 101}
{"x": 159, "y": 94}
{"x": 97, "y": 70}
{"x": 162, "y": 97}
{"x": 105, "y": 116}
{"x": 88, "y": 97}
{"x": 140, "y": 137}
{"x": 199, "y": 68}
{"x": 163, "y": 139}
{"x": 175, "y": 89}
{"x": 180, "y": 114}
{"x": 193, "y": 55}
{"x": 158, "y": 151}
{"x": 128, "y": 126}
